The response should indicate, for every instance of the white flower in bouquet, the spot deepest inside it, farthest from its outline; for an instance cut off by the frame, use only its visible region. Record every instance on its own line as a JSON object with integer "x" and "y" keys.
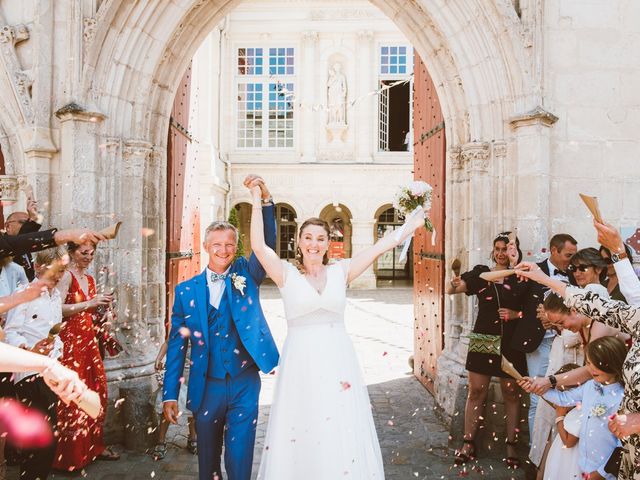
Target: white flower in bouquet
{"x": 415, "y": 194}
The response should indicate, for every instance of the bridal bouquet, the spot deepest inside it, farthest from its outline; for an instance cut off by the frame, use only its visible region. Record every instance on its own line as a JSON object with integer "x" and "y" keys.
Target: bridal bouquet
{"x": 412, "y": 197}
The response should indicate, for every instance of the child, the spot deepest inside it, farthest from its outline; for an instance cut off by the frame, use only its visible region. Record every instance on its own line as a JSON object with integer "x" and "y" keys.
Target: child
{"x": 563, "y": 458}
{"x": 29, "y": 327}
{"x": 160, "y": 450}
{"x": 598, "y": 398}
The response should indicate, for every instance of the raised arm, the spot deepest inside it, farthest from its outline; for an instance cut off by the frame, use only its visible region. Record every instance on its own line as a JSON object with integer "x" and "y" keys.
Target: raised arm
{"x": 267, "y": 257}
{"x": 532, "y": 271}
{"x": 629, "y": 283}
{"x": 364, "y": 259}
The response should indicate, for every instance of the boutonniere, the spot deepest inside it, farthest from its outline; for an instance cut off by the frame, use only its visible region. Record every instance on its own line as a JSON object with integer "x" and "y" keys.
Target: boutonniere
{"x": 239, "y": 282}
{"x": 598, "y": 410}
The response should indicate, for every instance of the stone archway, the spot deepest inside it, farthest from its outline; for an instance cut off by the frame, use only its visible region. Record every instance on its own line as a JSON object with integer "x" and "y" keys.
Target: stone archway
{"x": 133, "y": 64}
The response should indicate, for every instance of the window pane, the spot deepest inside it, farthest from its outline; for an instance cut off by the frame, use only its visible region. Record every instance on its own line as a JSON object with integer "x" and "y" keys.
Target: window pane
{"x": 394, "y": 60}
{"x": 249, "y": 126}
{"x": 249, "y": 61}
{"x": 281, "y": 115}
{"x": 281, "y": 61}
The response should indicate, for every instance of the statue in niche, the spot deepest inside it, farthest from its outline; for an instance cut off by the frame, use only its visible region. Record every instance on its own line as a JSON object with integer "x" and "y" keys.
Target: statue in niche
{"x": 336, "y": 96}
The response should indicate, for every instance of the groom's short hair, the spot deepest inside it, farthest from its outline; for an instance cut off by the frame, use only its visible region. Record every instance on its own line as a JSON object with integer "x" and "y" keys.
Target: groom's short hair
{"x": 220, "y": 225}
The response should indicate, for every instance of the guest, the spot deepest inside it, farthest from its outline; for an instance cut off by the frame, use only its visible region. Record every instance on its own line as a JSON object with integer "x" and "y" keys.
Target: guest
{"x": 28, "y": 326}
{"x": 612, "y": 277}
{"x": 11, "y": 277}
{"x": 563, "y": 458}
{"x": 588, "y": 267}
{"x": 81, "y": 438}
{"x": 568, "y": 347}
{"x": 499, "y": 307}
{"x": 534, "y": 335}
{"x": 626, "y": 426}
{"x": 19, "y": 223}
{"x": 599, "y": 398}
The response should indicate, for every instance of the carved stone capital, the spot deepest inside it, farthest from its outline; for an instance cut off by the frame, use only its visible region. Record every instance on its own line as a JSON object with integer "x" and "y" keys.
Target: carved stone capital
{"x": 365, "y": 35}
{"x": 9, "y": 188}
{"x": 500, "y": 149}
{"x": 476, "y": 156}
{"x": 14, "y": 34}
{"x": 454, "y": 155}
{"x": 136, "y": 149}
{"x": 310, "y": 36}
{"x": 537, "y": 116}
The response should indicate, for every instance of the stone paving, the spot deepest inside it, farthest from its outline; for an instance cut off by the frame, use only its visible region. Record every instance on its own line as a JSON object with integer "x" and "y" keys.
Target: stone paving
{"x": 414, "y": 441}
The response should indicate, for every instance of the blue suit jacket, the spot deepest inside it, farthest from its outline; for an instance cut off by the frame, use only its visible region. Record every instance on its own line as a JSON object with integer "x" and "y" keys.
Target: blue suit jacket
{"x": 190, "y": 311}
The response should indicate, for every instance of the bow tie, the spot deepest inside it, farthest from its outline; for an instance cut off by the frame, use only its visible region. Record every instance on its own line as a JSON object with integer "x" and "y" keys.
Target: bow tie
{"x": 218, "y": 276}
{"x": 560, "y": 272}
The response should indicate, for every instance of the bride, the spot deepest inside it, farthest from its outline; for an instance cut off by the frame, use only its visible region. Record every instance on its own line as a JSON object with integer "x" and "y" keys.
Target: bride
{"x": 320, "y": 426}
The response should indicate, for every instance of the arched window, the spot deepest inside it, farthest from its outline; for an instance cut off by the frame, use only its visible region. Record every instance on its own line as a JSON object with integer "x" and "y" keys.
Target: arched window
{"x": 286, "y": 231}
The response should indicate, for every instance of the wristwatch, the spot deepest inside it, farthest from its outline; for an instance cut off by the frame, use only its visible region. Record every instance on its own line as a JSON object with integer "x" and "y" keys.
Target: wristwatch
{"x": 268, "y": 201}
{"x": 616, "y": 257}
{"x": 552, "y": 381}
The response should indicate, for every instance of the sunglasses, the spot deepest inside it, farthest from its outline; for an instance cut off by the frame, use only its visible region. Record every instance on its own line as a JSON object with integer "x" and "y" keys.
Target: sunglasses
{"x": 581, "y": 268}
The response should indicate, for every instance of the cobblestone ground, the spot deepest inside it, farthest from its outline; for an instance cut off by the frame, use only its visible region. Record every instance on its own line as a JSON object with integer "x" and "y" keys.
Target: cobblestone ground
{"x": 414, "y": 441}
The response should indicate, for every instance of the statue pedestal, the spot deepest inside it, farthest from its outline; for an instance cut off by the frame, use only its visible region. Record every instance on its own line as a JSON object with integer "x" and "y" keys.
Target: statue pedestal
{"x": 337, "y": 133}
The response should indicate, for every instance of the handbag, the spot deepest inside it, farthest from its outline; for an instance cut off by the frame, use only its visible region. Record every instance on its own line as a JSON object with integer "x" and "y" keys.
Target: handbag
{"x": 484, "y": 342}
{"x": 613, "y": 464}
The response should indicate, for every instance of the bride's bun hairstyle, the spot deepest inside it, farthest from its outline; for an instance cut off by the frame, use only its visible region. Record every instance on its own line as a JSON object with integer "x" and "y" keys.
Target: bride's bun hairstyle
{"x": 318, "y": 222}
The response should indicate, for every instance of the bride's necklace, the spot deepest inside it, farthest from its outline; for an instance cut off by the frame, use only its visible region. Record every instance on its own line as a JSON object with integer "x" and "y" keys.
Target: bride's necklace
{"x": 317, "y": 281}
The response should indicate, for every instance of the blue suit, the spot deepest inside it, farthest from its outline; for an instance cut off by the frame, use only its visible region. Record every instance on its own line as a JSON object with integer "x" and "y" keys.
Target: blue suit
{"x": 228, "y": 347}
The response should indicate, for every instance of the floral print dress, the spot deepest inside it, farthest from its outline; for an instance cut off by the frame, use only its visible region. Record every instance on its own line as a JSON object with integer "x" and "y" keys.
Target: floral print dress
{"x": 626, "y": 318}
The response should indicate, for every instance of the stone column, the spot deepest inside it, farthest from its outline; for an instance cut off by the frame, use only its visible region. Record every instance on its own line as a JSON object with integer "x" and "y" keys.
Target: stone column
{"x": 76, "y": 191}
{"x": 306, "y": 90}
{"x": 365, "y": 111}
{"x": 361, "y": 238}
{"x": 531, "y": 174}
{"x": 136, "y": 267}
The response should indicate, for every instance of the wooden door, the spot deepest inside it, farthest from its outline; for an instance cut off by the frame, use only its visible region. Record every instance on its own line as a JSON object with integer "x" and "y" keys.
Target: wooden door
{"x": 183, "y": 217}
{"x": 428, "y": 256}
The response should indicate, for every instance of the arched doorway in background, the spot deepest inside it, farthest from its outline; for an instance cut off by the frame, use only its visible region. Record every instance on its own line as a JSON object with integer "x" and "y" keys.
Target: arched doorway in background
{"x": 339, "y": 219}
{"x": 286, "y": 231}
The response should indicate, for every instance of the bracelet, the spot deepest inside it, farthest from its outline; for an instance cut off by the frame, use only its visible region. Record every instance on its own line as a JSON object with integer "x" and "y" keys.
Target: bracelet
{"x": 268, "y": 201}
{"x": 559, "y": 419}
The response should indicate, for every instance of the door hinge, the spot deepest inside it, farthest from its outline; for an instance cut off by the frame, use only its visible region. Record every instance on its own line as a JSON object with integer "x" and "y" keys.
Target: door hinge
{"x": 180, "y": 255}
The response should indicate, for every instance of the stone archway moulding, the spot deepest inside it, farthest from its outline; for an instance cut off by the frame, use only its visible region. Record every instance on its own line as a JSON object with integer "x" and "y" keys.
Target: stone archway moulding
{"x": 131, "y": 58}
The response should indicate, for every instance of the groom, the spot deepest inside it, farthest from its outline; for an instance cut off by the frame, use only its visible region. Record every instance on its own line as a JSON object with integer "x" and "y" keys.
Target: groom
{"x": 218, "y": 312}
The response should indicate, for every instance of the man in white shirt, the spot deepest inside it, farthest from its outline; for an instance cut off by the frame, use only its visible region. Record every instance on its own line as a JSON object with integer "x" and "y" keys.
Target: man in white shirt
{"x": 27, "y": 327}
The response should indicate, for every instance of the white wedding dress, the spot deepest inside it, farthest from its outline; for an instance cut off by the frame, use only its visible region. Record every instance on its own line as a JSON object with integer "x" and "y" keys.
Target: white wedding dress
{"x": 320, "y": 426}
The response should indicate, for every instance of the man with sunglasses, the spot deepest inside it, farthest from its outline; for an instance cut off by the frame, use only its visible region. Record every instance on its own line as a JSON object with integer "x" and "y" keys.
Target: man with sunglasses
{"x": 535, "y": 334}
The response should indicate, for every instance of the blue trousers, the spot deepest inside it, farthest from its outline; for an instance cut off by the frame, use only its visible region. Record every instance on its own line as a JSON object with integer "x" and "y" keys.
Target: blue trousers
{"x": 537, "y": 364}
{"x": 229, "y": 412}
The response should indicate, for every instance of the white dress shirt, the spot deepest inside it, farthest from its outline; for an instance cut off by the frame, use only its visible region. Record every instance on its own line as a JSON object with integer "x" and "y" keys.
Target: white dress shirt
{"x": 628, "y": 281}
{"x": 216, "y": 288}
{"x": 30, "y": 322}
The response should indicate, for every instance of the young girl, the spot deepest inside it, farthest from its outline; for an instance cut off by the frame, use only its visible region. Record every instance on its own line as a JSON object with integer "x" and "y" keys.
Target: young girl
{"x": 598, "y": 398}
{"x": 563, "y": 457}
